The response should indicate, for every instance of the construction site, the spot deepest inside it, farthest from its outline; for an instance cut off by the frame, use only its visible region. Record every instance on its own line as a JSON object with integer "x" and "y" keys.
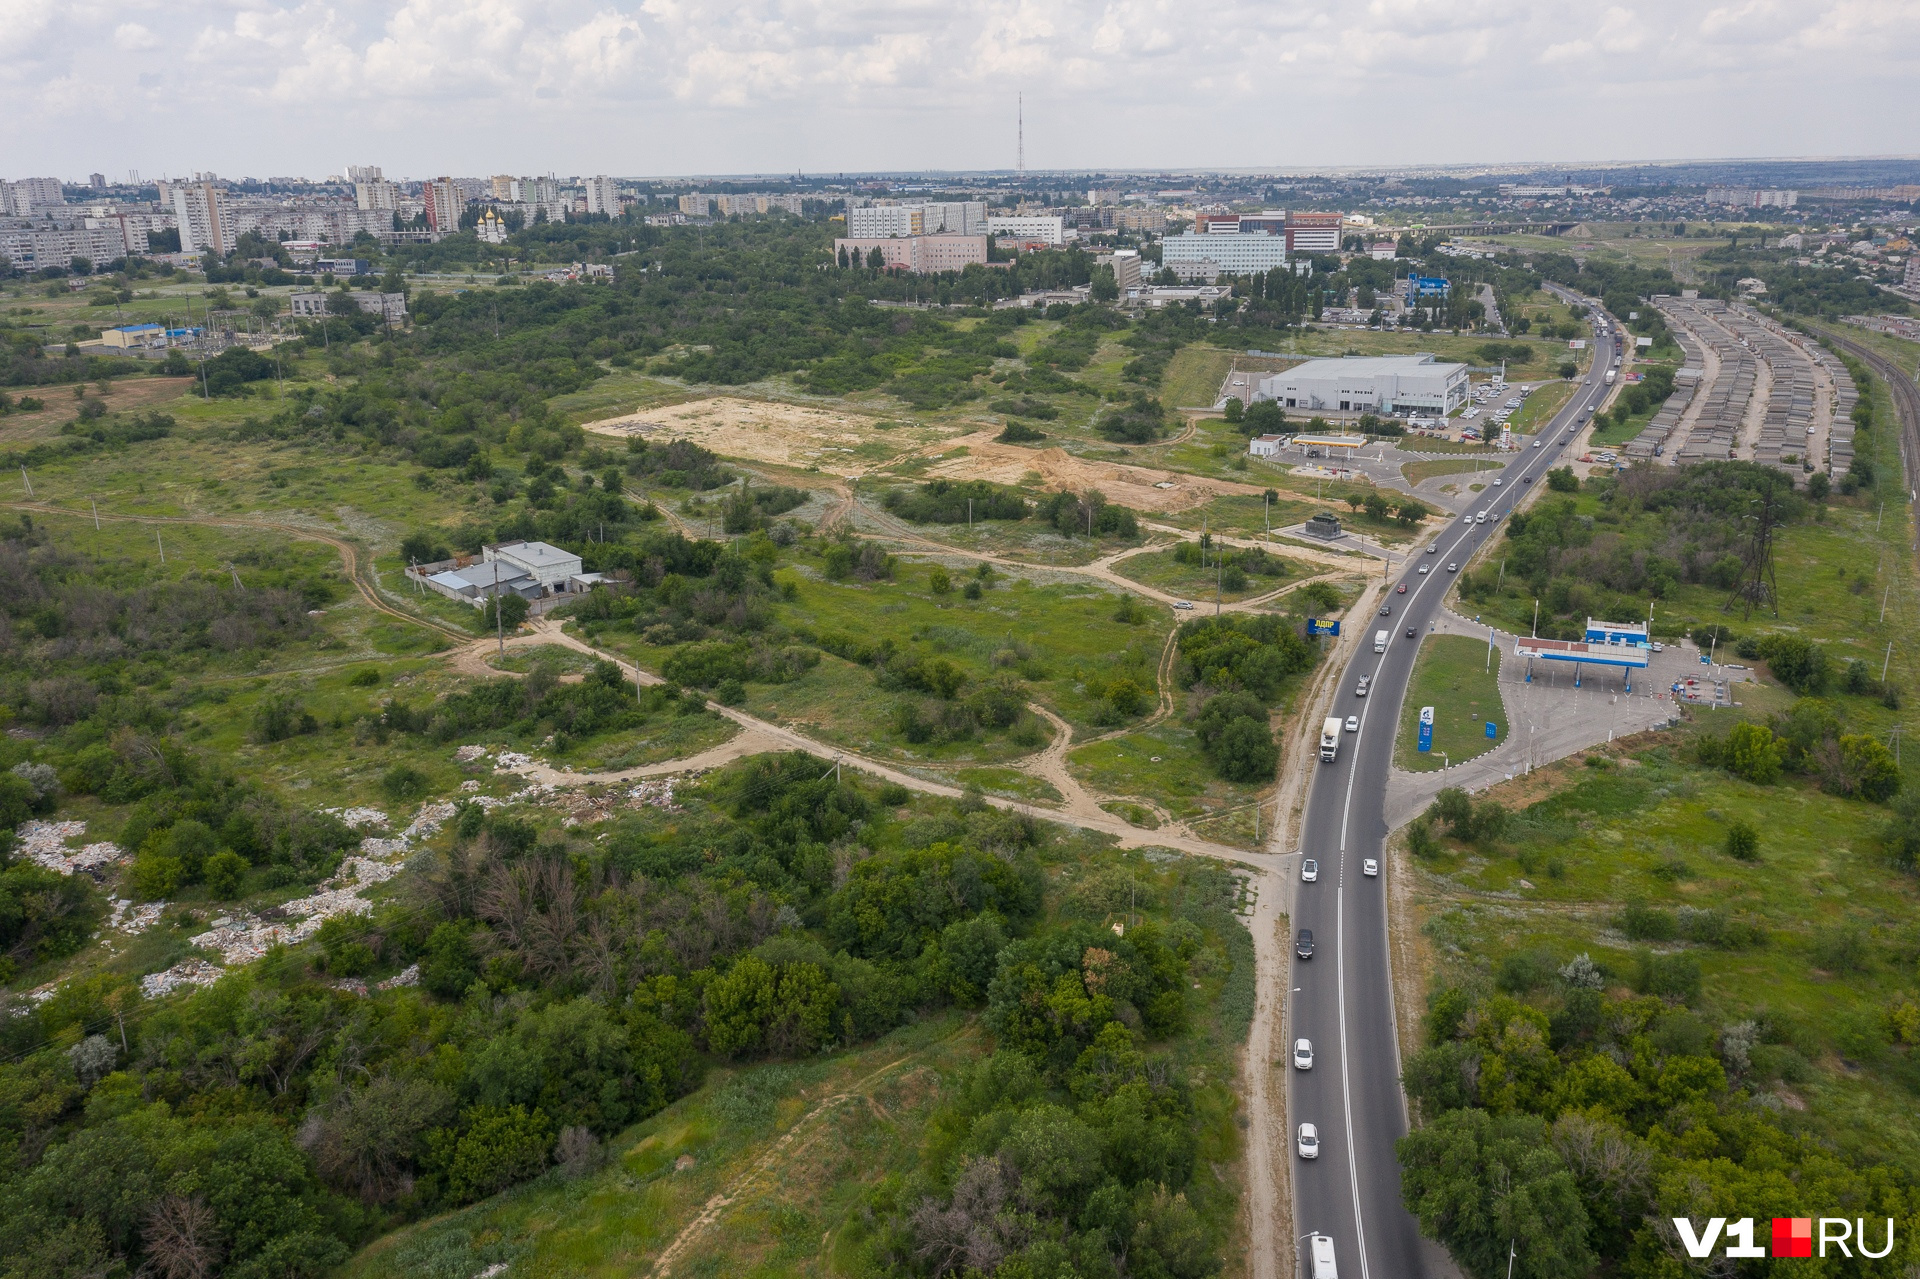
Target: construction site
{"x": 1749, "y": 389}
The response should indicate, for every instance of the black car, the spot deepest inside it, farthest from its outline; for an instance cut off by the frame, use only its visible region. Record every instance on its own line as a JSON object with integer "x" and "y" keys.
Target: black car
{"x": 1303, "y": 943}
{"x": 1412, "y": 631}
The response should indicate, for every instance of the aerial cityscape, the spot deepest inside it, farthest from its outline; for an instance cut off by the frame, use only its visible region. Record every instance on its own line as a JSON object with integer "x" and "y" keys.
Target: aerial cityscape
{"x": 875, "y": 689}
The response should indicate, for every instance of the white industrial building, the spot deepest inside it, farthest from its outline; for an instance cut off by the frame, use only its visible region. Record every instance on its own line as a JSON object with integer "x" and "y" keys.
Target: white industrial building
{"x": 1369, "y": 384}
{"x": 1208, "y": 256}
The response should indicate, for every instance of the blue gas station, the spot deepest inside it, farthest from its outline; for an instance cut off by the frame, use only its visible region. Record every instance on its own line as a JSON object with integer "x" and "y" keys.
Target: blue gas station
{"x": 1625, "y": 645}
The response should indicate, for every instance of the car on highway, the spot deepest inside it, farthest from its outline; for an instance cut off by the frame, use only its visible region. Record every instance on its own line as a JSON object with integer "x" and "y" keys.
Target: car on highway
{"x": 1183, "y": 604}
{"x": 1497, "y": 481}
{"x": 1360, "y": 689}
{"x": 1481, "y": 518}
{"x": 1353, "y": 723}
{"x": 1433, "y": 550}
{"x": 1309, "y": 1142}
{"x": 1425, "y": 569}
{"x": 1412, "y": 631}
{"x": 1526, "y": 479}
{"x": 1386, "y": 610}
{"x": 1309, "y": 871}
{"x": 1400, "y": 589}
{"x": 1303, "y": 943}
{"x": 1453, "y": 568}
{"x": 1369, "y": 867}
{"x": 1303, "y": 1054}
{"x": 1536, "y": 444}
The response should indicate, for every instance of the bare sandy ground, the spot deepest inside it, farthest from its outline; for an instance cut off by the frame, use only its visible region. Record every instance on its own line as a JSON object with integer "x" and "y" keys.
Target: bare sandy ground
{"x": 770, "y": 431}
{"x": 1139, "y": 487}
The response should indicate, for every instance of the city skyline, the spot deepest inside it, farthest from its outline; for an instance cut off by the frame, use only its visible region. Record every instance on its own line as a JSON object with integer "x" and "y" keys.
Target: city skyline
{"x": 431, "y": 88}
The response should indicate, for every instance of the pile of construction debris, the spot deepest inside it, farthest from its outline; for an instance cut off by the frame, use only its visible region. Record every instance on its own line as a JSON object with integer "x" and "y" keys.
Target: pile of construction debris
{"x": 45, "y": 844}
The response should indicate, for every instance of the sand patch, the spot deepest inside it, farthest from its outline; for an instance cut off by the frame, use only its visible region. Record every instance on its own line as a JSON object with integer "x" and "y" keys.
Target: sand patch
{"x": 1139, "y": 487}
{"x": 834, "y": 440}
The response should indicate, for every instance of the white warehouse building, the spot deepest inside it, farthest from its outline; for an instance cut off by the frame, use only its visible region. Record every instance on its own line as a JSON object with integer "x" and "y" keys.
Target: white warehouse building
{"x": 1209, "y": 256}
{"x": 1369, "y": 384}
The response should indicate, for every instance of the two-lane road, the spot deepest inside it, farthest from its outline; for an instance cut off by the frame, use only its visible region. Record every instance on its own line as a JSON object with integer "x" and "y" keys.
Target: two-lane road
{"x": 1342, "y": 998}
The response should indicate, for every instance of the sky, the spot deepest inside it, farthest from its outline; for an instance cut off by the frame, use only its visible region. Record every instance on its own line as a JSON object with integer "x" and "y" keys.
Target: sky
{"x": 267, "y": 88}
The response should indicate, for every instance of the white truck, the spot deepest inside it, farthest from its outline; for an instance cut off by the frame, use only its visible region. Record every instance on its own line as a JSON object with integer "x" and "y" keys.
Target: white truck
{"x": 1329, "y": 739}
{"x": 1379, "y": 641}
{"x": 1610, "y": 376}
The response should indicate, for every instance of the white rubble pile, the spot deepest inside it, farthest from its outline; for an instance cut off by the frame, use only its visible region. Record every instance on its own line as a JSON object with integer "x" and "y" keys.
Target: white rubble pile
{"x": 408, "y": 976}
{"x": 45, "y": 844}
{"x": 428, "y": 820}
{"x": 468, "y": 754}
{"x": 192, "y": 972}
{"x": 128, "y": 918}
{"x": 358, "y": 817}
{"x": 513, "y": 762}
{"x": 243, "y": 938}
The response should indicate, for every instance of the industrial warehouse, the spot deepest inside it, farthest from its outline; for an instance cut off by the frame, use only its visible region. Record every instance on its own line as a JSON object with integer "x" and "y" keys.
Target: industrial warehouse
{"x": 1396, "y": 384}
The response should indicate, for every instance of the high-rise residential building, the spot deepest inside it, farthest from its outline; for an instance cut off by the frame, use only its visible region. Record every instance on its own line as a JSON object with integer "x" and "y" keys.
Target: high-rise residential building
{"x": 206, "y": 225}
{"x": 20, "y": 198}
{"x": 444, "y": 204}
{"x": 603, "y": 196}
{"x": 536, "y": 190}
{"x": 358, "y": 173}
{"x": 695, "y": 205}
{"x": 1197, "y": 255}
{"x": 1029, "y": 230}
{"x": 98, "y": 181}
{"x": 501, "y": 187}
{"x": 957, "y": 217}
{"x": 375, "y": 194}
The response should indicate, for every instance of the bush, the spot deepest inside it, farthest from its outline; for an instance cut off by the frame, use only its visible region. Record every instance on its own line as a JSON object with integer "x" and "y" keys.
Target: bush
{"x": 224, "y": 872}
{"x": 1668, "y": 976}
{"x": 1642, "y": 922}
{"x": 280, "y": 716}
{"x": 1743, "y": 842}
{"x": 1020, "y": 433}
{"x": 1840, "y": 949}
{"x": 1752, "y": 753}
{"x": 403, "y": 782}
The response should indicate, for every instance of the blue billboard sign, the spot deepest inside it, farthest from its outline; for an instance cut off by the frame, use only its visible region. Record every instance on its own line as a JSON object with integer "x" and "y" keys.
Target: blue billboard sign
{"x": 1426, "y": 728}
{"x": 1493, "y": 729}
{"x": 1317, "y": 628}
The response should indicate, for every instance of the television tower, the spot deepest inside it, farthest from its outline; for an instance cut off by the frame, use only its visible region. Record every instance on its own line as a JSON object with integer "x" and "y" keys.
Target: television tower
{"x": 1020, "y": 163}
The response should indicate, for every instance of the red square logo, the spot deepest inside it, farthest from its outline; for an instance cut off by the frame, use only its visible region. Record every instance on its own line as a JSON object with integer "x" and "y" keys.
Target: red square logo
{"x": 1793, "y": 1236}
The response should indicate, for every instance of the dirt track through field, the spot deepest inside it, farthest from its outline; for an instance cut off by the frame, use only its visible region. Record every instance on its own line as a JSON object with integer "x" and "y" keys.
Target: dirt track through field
{"x": 1142, "y": 488}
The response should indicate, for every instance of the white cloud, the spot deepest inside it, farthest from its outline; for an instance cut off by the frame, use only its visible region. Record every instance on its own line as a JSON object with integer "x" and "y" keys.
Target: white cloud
{"x": 701, "y": 85}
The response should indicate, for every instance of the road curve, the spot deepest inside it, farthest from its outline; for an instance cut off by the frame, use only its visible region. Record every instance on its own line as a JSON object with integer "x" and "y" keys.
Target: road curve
{"x": 1342, "y": 998}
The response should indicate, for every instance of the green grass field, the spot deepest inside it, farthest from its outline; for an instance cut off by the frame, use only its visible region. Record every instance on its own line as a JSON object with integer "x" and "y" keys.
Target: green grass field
{"x": 1452, "y": 675}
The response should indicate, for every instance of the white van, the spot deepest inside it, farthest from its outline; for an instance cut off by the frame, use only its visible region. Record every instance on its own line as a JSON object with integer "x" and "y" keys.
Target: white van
{"x": 1323, "y": 1267}
{"x": 1379, "y": 641}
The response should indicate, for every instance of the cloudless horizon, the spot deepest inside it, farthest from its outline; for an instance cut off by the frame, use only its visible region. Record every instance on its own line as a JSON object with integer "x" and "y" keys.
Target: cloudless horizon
{"x": 664, "y": 87}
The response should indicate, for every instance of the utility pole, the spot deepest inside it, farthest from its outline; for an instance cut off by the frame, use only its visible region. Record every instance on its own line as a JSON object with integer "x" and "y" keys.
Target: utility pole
{"x": 24, "y": 480}
{"x": 163, "y": 548}
{"x": 1886, "y": 662}
{"x": 1536, "y": 617}
{"x": 96, "y": 514}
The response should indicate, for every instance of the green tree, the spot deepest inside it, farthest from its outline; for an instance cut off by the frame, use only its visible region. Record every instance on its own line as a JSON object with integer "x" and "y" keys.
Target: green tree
{"x": 1481, "y": 1184}
{"x": 1867, "y": 768}
{"x": 1743, "y": 841}
{"x": 497, "y": 1148}
{"x": 939, "y": 581}
{"x": 224, "y": 873}
{"x": 1561, "y": 479}
{"x": 504, "y": 612}
{"x": 1752, "y": 753}
{"x": 1105, "y": 287}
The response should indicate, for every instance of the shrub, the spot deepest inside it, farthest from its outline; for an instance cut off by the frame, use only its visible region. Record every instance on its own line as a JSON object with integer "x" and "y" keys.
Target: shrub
{"x": 224, "y": 872}
{"x": 1668, "y": 976}
{"x": 1642, "y": 922}
{"x": 403, "y": 782}
{"x": 1752, "y": 753}
{"x": 1743, "y": 842}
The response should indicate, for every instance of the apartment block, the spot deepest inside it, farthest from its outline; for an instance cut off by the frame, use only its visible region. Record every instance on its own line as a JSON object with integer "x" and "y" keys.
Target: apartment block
{"x": 444, "y": 204}
{"x": 1309, "y": 233}
{"x": 603, "y": 196}
{"x": 205, "y": 224}
{"x": 916, "y": 254}
{"x": 1047, "y": 230}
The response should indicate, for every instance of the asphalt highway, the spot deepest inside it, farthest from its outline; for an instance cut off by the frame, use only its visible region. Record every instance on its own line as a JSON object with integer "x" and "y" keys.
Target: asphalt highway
{"x": 1342, "y": 998}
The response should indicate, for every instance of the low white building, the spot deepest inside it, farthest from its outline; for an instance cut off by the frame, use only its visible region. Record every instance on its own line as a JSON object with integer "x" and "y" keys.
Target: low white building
{"x": 1369, "y": 384}
{"x": 546, "y": 564}
{"x": 1265, "y": 445}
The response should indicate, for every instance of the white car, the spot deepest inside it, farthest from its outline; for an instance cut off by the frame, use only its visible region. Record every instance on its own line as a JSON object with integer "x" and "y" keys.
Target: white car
{"x": 1369, "y": 867}
{"x": 1353, "y": 723}
{"x": 1309, "y": 1144}
{"x": 1309, "y": 871}
{"x": 1536, "y": 444}
{"x": 1183, "y": 604}
{"x": 1453, "y": 568}
{"x": 1497, "y": 481}
{"x": 1302, "y": 1054}
{"x": 1425, "y": 569}
{"x": 1360, "y": 689}
{"x": 1433, "y": 550}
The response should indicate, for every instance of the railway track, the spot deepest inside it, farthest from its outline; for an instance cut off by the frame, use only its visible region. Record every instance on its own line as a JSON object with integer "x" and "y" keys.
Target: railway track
{"x": 1906, "y": 399}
